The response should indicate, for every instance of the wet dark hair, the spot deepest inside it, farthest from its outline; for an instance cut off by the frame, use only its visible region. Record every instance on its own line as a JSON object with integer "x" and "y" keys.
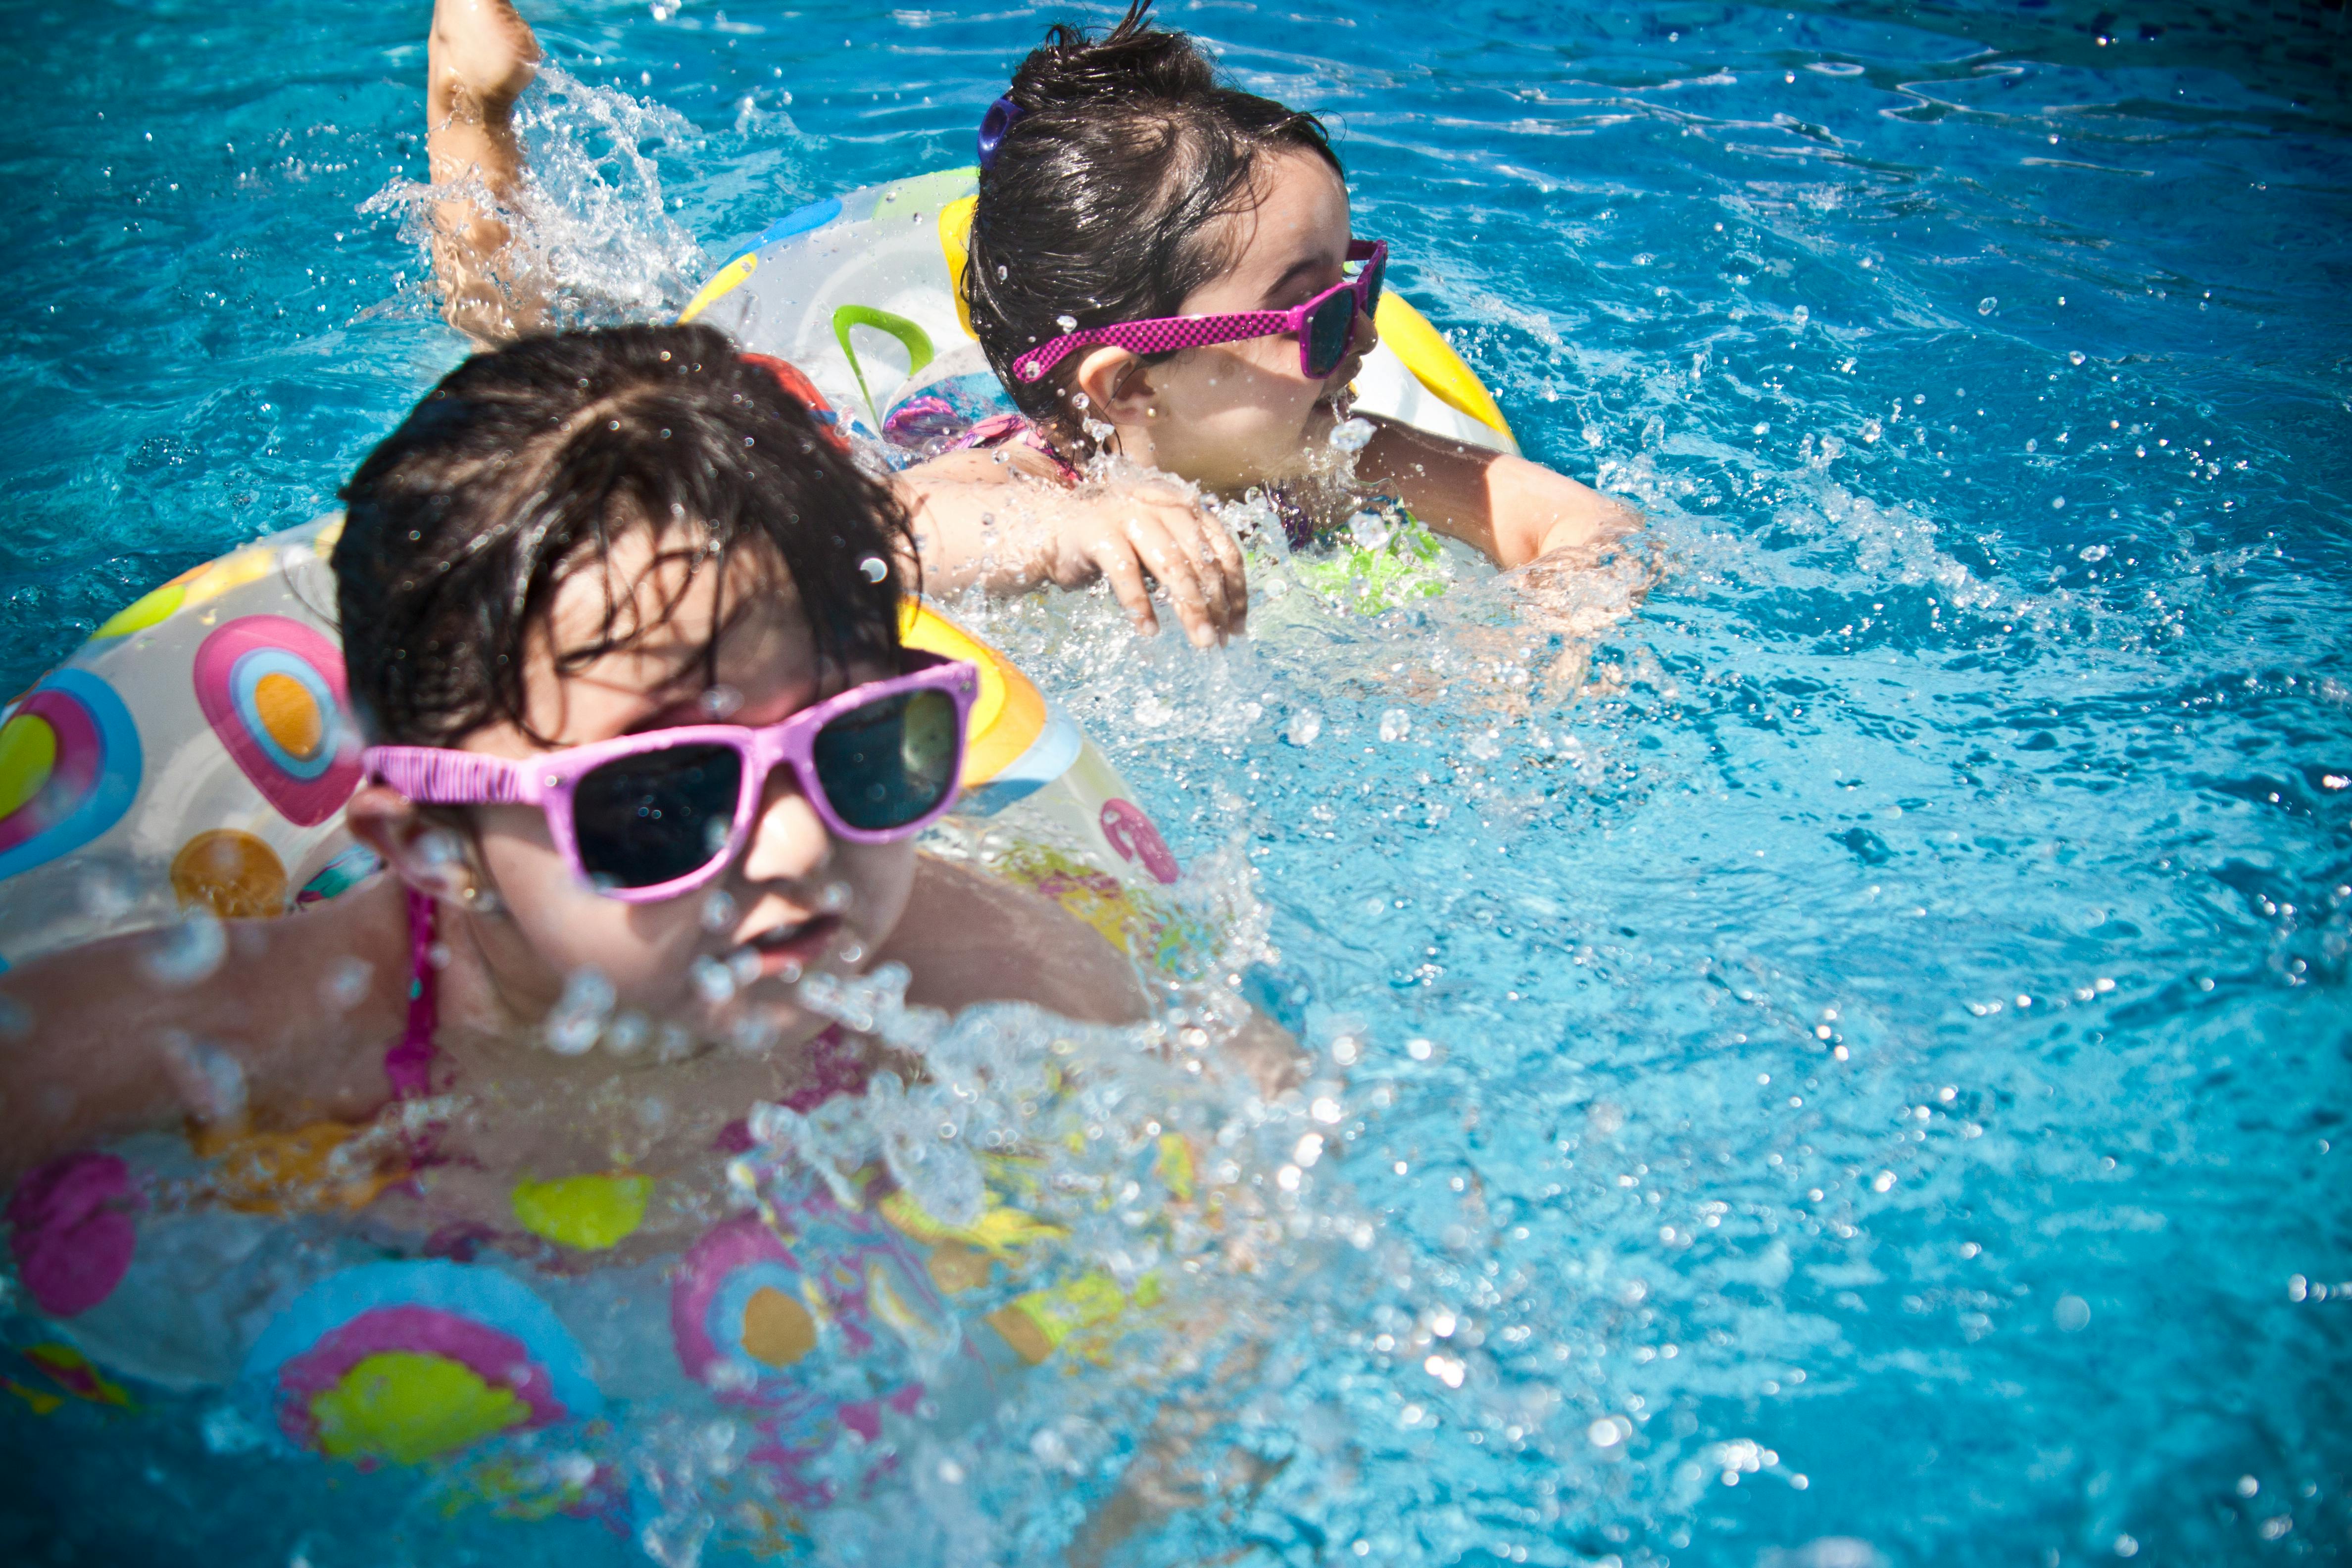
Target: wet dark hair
{"x": 1101, "y": 196}
{"x": 528, "y": 464}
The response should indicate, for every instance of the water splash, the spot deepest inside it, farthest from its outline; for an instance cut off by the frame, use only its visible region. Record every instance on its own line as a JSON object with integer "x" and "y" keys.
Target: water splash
{"x": 591, "y": 224}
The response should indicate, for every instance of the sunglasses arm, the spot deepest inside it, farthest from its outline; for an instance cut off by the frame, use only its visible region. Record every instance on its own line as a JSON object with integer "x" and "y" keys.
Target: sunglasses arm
{"x": 432, "y": 776}
{"x": 1164, "y": 334}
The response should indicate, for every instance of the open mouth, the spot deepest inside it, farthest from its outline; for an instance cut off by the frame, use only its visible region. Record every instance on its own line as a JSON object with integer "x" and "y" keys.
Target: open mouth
{"x": 785, "y": 951}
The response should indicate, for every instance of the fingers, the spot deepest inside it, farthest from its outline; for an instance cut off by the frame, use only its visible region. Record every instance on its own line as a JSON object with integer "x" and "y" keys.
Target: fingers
{"x": 1116, "y": 560}
{"x": 1166, "y": 535}
{"x": 1171, "y": 563}
{"x": 1226, "y": 555}
{"x": 1218, "y": 571}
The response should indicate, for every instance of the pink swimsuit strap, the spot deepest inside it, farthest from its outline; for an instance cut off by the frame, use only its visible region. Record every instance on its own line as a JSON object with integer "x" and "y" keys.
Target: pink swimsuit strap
{"x": 835, "y": 1066}
{"x": 999, "y": 428}
{"x": 409, "y": 1064}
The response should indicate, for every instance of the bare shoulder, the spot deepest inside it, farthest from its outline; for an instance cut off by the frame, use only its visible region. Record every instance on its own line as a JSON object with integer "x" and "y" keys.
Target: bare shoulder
{"x": 967, "y": 937}
{"x": 983, "y": 465}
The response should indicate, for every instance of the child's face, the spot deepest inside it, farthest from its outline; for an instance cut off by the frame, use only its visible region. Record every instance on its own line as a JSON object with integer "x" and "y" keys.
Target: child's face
{"x": 1236, "y": 415}
{"x": 797, "y": 899}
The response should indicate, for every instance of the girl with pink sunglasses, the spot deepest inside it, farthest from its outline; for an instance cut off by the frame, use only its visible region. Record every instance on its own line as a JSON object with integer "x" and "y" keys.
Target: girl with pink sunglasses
{"x": 1163, "y": 267}
{"x": 624, "y": 635}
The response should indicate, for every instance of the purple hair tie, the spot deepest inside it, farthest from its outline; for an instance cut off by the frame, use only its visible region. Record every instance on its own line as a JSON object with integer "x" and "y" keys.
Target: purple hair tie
{"x": 993, "y": 126}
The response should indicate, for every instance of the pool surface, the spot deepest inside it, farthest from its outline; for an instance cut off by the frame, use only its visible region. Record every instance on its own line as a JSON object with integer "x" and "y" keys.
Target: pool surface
{"x": 1847, "y": 1064}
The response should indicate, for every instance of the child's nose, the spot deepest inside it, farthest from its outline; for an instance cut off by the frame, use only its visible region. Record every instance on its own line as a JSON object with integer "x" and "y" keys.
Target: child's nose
{"x": 789, "y": 839}
{"x": 1368, "y": 332}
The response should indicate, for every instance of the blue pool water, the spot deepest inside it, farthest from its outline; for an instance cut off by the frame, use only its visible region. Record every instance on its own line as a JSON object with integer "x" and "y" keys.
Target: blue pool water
{"x": 1852, "y": 1060}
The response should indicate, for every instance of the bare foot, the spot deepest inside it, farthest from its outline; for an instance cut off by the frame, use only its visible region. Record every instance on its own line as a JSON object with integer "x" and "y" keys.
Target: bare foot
{"x": 481, "y": 56}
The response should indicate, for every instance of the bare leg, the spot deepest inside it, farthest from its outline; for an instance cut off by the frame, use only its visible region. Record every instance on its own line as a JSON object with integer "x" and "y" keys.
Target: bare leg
{"x": 480, "y": 57}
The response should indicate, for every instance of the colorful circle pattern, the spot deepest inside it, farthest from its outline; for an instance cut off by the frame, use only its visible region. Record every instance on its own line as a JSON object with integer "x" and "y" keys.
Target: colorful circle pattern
{"x": 272, "y": 689}
{"x": 747, "y": 1310}
{"x": 408, "y": 1361}
{"x": 69, "y": 765}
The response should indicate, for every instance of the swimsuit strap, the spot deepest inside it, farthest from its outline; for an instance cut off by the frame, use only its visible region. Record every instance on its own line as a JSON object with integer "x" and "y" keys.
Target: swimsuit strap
{"x": 409, "y": 1065}
{"x": 999, "y": 428}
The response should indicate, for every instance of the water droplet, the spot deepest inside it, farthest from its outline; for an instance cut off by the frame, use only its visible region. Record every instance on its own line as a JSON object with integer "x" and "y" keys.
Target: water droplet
{"x": 874, "y": 569}
{"x": 1986, "y": 306}
{"x": 1352, "y": 435}
{"x": 2072, "y": 1314}
{"x": 628, "y": 1034}
{"x": 189, "y": 951}
{"x": 1604, "y": 1434}
{"x": 1305, "y": 726}
{"x": 1395, "y": 725}
{"x": 1067, "y": 323}
{"x": 2077, "y": 356}
{"x": 713, "y": 980}
{"x": 346, "y": 982}
{"x": 579, "y": 1014}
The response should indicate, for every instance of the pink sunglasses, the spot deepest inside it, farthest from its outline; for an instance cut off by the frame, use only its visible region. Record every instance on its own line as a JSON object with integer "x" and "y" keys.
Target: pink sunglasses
{"x": 652, "y": 816}
{"x": 1325, "y": 325}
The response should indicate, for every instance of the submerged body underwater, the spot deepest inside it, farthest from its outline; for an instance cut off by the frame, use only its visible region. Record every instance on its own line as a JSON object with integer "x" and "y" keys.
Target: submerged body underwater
{"x": 1842, "y": 1060}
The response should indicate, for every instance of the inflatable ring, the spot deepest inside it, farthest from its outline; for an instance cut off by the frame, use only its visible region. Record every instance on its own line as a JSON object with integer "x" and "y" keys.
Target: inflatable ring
{"x": 197, "y": 751}
{"x": 863, "y": 292}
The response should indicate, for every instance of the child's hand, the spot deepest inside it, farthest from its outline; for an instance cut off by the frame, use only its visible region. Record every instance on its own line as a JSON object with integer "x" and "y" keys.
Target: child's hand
{"x": 1126, "y": 533}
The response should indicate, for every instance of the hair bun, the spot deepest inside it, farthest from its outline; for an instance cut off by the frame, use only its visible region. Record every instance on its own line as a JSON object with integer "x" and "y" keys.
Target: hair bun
{"x": 1133, "y": 60}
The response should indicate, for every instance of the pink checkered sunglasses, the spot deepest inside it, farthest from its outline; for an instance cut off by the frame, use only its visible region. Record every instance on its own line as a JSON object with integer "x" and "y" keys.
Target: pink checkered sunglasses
{"x": 652, "y": 816}
{"x": 1325, "y": 325}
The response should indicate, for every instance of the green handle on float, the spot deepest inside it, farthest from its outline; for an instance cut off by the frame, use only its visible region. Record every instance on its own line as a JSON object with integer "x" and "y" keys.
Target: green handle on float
{"x": 912, "y": 338}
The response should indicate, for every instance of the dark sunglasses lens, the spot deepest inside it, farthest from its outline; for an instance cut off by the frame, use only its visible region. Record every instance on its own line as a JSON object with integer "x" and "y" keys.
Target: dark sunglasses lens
{"x": 1375, "y": 276}
{"x": 889, "y": 763}
{"x": 1329, "y": 332}
{"x": 649, "y": 819}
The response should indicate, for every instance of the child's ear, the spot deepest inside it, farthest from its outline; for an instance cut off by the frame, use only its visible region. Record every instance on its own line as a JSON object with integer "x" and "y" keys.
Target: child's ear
{"x": 428, "y": 856}
{"x": 1117, "y": 384}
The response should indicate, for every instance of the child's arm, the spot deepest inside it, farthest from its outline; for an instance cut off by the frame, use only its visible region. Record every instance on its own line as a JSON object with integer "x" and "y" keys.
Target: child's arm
{"x": 104, "y": 1040}
{"x": 479, "y": 57}
{"x": 1008, "y": 527}
{"x": 1511, "y": 509}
